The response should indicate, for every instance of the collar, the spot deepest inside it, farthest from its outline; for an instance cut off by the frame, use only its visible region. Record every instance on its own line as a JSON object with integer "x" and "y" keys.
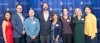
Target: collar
{"x": 19, "y": 13}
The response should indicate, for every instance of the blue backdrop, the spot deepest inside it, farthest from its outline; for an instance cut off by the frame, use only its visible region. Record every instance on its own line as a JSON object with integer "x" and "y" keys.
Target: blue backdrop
{"x": 54, "y": 6}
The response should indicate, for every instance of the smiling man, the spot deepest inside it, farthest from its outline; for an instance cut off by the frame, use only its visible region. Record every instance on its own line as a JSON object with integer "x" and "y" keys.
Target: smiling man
{"x": 32, "y": 28}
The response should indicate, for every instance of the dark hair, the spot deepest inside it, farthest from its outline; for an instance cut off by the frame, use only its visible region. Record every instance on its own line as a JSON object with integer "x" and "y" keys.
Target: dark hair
{"x": 88, "y": 7}
{"x": 45, "y": 3}
{"x": 56, "y": 15}
{"x": 65, "y": 8}
{"x": 4, "y": 18}
{"x": 18, "y": 5}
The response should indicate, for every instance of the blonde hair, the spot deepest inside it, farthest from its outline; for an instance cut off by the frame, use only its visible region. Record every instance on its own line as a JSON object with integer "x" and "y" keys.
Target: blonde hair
{"x": 79, "y": 11}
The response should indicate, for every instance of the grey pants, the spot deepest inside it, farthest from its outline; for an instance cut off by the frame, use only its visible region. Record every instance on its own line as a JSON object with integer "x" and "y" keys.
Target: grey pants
{"x": 45, "y": 39}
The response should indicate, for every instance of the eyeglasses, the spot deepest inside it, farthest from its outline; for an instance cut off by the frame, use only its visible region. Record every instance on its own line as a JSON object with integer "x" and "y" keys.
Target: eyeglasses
{"x": 19, "y": 8}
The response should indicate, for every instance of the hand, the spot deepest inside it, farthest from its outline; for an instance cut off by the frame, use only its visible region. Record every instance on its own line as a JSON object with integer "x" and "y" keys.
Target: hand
{"x": 56, "y": 40}
{"x": 33, "y": 37}
{"x": 23, "y": 32}
{"x": 92, "y": 37}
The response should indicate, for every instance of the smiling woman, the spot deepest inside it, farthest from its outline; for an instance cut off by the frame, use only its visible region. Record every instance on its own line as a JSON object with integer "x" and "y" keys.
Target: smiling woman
{"x": 90, "y": 26}
{"x": 7, "y": 28}
{"x": 56, "y": 27}
{"x": 78, "y": 21}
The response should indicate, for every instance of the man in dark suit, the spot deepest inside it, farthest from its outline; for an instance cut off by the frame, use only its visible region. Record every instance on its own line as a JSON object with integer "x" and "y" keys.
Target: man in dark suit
{"x": 45, "y": 21}
{"x": 17, "y": 23}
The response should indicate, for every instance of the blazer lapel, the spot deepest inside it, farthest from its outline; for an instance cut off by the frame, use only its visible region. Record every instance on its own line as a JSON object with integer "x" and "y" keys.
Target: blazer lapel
{"x": 43, "y": 16}
{"x": 49, "y": 17}
{"x": 19, "y": 18}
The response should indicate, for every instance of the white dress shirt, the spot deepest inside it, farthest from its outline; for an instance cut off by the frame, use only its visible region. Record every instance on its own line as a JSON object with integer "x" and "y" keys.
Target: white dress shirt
{"x": 21, "y": 17}
{"x": 46, "y": 15}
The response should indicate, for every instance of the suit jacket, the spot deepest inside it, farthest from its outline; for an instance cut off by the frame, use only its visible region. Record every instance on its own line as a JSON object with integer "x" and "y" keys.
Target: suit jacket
{"x": 17, "y": 25}
{"x": 44, "y": 25}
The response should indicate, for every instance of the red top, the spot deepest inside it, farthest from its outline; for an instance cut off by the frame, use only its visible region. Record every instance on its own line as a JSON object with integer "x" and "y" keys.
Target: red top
{"x": 9, "y": 32}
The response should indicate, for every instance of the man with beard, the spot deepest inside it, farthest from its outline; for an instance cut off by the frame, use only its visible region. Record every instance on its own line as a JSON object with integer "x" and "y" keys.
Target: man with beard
{"x": 45, "y": 20}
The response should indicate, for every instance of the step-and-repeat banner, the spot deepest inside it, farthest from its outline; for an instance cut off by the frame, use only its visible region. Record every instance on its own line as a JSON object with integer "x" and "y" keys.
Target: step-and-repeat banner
{"x": 11, "y": 5}
{"x": 54, "y": 6}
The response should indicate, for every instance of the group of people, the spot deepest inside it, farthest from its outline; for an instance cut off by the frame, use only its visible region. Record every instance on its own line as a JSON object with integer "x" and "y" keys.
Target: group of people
{"x": 48, "y": 27}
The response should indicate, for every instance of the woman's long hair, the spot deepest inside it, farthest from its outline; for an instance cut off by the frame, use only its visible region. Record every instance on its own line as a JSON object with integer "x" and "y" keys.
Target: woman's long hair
{"x": 56, "y": 15}
{"x": 4, "y": 18}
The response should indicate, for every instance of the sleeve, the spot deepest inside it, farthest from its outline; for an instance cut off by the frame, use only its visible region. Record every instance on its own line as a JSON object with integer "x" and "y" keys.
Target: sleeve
{"x": 26, "y": 28}
{"x": 94, "y": 26}
{"x": 60, "y": 28}
{"x": 38, "y": 28}
{"x": 72, "y": 25}
{"x": 60, "y": 18}
{"x": 14, "y": 24}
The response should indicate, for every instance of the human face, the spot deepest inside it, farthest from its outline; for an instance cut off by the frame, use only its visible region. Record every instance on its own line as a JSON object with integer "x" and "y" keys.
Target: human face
{"x": 55, "y": 17}
{"x": 87, "y": 10}
{"x": 77, "y": 12}
{"x": 65, "y": 11}
{"x": 7, "y": 16}
{"x": 19, "y": 8}
{"x": 31, "y": 13}
{"x": 45, "y": 6}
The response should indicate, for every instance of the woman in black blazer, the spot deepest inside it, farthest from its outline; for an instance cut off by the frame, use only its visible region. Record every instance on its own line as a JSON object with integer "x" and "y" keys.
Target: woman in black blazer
{"x": 55, "y": 29}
